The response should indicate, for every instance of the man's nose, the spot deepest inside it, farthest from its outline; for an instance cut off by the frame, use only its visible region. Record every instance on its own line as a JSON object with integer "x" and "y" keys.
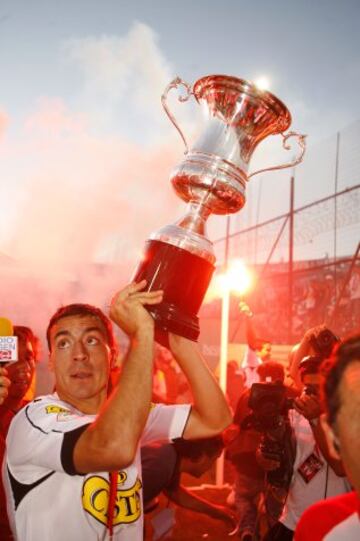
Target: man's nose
{"x": 79, "y": 351}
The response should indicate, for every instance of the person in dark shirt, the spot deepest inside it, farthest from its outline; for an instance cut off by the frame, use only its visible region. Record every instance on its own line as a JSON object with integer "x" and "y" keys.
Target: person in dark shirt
{"x": 163, "y": 465}
{"x": 250, "y": 468}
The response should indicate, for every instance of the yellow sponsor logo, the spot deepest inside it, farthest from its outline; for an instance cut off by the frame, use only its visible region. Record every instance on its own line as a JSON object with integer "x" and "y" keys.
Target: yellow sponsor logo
{"x": 56, "y": 409}
{"x": 95, "y": 499}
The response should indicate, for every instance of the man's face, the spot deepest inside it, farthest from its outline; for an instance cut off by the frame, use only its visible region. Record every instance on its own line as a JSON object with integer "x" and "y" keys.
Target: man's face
{"x": 21, "y": 373}
{"x": 347, "y": 426}
{"x": 265, "y": 352}
{"x": 80, "y": 357}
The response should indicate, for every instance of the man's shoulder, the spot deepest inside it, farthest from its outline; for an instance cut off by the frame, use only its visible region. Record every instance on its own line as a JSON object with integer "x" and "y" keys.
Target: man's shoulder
{"x": 45, "y": 404}
{"x": 42, "y": 412}
{"x": 325, "y": 514}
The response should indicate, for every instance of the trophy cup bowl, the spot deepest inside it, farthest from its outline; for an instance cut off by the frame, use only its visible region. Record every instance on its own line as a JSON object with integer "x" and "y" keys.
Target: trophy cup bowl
{"x": 212, "y": 177}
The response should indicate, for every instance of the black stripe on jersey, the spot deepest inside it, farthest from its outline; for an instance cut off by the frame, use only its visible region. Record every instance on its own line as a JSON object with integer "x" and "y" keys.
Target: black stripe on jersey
{"x": 32, "y": 424}
{"x": 187, "y": 420}
{"x": 20, "y": 490}
{"x": 67, "y": 449}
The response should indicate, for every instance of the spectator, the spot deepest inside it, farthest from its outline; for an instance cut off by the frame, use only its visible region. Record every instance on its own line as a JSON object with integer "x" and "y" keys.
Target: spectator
{"x": 169, "y": 383}
{"x": 250, "y": 477}
{"x": 235, "y": 383}
{"x": 65, "y": 444}
{"x": 258, "y": 349}
{"x": 316, "y": 474}
{"x": 159, "y": 388}
{"x": 301, "y": 350}
{"x": 354, "y": 287}
{"x": 4, "y": 384}
{"x": 21, "y": 373}
{"x": 163, "y": 465}
{"x": 338, "y": 518}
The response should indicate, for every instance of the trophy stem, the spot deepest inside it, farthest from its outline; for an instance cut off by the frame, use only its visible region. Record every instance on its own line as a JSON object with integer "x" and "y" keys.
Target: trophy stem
{"x": 195, "y": 218}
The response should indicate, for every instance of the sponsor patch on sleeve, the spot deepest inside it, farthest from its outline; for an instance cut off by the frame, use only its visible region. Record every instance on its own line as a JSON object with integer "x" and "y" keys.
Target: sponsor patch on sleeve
{"x": 57, "y": 409}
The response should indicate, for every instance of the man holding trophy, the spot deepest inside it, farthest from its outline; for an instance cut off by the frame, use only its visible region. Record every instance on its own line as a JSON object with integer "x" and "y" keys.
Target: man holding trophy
{"x": 79, "y": 447}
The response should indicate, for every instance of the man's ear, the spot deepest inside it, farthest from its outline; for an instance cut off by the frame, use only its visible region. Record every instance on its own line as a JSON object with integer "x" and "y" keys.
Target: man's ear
{"x": 114, "y": 364}
{"x": 331, "y": 438}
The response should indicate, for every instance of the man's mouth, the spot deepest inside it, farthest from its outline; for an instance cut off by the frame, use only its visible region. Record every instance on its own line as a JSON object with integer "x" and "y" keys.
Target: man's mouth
{"x": 82, "y": 375}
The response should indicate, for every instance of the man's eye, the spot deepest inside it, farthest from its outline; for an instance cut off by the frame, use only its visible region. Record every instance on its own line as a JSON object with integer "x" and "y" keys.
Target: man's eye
{"x": 63, "y": 344}
{"x": 92, "y": 340}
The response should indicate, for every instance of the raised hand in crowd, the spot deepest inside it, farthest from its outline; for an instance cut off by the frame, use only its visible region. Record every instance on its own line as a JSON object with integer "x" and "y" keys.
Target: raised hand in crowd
{"x": 4, "y": 384}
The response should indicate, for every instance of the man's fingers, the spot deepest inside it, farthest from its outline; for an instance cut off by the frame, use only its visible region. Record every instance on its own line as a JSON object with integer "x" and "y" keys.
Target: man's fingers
{"x": 145, "y": 299}
{"x": 131, "y": 288}
{"x": 145, "y": 296}
{"x": 155, "y": 300}
{"x": 136, "y": 286}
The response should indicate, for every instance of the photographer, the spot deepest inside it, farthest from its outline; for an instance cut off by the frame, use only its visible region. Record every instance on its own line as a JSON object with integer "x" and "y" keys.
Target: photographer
{"x": 316, "y": 475}
{"x": 316, "y": 341}
{"x": 250, "y": 476}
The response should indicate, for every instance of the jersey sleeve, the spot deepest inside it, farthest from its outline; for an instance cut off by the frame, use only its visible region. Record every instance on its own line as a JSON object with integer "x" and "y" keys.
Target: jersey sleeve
{"x": 43, "y": 435}
{"x": 165, "y": 423}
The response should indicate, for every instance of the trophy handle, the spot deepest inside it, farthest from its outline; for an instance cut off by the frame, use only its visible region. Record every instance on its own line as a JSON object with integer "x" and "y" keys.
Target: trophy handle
{"x": 175, "y": 84}
{"x": 296, "y": 161}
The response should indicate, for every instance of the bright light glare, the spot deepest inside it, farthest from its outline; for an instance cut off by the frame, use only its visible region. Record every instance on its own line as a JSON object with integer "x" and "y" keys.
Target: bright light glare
{"x": 237, "y": 279}
{"x": 262, "y": 83}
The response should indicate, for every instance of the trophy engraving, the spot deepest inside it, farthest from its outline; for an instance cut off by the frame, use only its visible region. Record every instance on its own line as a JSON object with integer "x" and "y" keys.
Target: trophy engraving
{"x": 211, "y": 178}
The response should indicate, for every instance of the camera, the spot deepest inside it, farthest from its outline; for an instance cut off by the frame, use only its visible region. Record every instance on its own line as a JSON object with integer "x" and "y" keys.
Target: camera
{"x": 323, "y": 342}
{"x": 268, "y": 402}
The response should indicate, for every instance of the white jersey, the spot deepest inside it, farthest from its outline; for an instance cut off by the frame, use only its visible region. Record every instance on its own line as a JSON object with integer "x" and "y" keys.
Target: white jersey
{"x": 313, "y": 479}
{"x": 250, "y": 365}
{"x": 48, "y": 500}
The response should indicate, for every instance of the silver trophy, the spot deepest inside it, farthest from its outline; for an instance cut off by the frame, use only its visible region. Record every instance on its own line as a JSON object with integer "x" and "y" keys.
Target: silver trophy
{"x": 211, "y": 178}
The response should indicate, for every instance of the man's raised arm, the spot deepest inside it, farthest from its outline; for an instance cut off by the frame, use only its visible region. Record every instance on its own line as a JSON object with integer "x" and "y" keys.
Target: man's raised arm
{"x": 110, "y": 443}
{"x": 210, "y": 413}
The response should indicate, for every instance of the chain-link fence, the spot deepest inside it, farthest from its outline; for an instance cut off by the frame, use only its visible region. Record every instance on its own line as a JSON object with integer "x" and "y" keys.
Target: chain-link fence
{"x": 307, "y": 260}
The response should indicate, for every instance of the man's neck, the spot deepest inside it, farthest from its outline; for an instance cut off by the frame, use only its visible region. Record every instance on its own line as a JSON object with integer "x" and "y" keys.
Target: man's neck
{"x": 89, "y": 406}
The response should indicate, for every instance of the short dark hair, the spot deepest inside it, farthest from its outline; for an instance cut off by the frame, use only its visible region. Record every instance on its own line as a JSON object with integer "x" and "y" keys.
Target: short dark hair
{"x": 83, "y": 310}
{"x": 333, "y": 369}
{"x": 26, "y": 334}
{"x": 271, "y": 369}
{"x": 260, "y": 343}
{"x": 194, "y": 449}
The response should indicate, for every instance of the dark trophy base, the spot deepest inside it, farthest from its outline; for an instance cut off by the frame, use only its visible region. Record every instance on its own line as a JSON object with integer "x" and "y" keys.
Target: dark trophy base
{"x": 184, "y": 277}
